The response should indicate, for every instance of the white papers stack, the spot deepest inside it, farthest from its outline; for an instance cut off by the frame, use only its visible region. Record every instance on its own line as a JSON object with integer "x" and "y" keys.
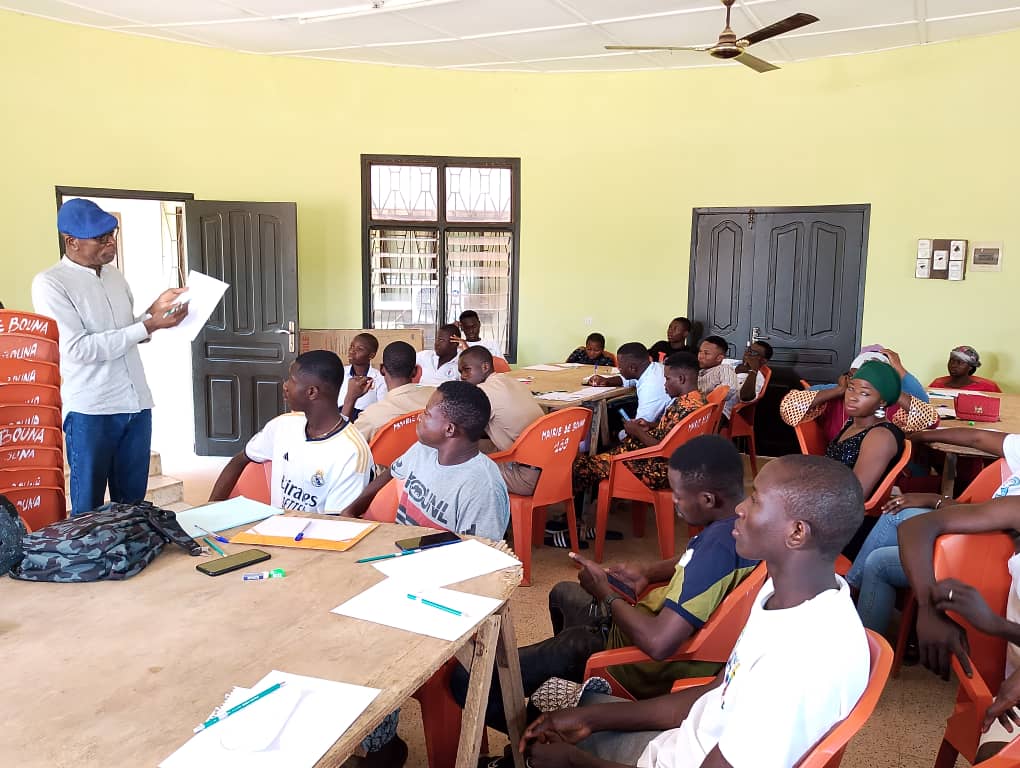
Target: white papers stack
{"x": 221, "y": 515}
{"x": 325, "y": 530}
{"x": 290, "y": 728}
{"x": 388, "y": 603}
{"x": 542, "y": 368}
{"x": 450, "y": 564}
{"x": 583, "y": 393}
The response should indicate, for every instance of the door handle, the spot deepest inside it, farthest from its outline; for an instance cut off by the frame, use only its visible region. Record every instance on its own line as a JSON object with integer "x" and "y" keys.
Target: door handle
{"x": 756, "y": 334}
{"x": 290, "y": 335}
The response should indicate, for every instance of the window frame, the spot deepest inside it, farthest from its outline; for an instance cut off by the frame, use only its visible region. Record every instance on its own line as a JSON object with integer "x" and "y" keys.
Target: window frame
{"x": 442, "y": 227}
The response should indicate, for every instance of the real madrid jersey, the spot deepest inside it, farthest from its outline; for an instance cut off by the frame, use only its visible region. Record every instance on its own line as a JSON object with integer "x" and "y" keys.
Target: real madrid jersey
{"x": 312, "y": 475}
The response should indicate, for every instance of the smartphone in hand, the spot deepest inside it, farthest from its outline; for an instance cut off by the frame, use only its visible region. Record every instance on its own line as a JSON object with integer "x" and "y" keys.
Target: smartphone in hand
{"x": 621, "y": 587}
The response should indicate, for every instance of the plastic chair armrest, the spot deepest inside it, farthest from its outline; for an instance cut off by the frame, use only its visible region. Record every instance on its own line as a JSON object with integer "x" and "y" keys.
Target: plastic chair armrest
{"x": 690, "y": 682}
{"x": 975, "y": 688}
{"x": 651, "y": 452}
{"x": 599, "y": 662}
{"x": 501, "y": 457}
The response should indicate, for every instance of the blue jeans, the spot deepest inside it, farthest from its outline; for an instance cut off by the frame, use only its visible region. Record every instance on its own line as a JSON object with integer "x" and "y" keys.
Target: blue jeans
{"x": 877, "y": 571}
{"x": 107, "y": 450}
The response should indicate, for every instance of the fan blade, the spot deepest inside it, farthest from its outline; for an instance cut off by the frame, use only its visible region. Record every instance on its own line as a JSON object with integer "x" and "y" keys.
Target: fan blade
{"x": 758, "y": 65}
{"x": 788, "y": 24}
{"x": 652, "y": 48}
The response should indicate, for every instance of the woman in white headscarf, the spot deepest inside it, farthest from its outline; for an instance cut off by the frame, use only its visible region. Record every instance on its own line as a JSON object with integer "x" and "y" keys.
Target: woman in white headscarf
{"x": 963, "y": 362}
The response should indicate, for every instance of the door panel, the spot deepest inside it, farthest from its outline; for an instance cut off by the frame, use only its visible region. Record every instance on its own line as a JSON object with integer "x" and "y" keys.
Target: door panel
{"x": 242, "y": 356}
{"x": 723, "y": 267}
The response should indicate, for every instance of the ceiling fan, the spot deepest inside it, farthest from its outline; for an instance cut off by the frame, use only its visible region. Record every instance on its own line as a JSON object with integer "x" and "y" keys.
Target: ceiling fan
{"x": 729, "y": 45}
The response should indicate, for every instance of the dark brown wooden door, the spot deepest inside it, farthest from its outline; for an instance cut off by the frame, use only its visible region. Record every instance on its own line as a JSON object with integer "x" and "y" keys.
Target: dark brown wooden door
{"x": 241, "y": 358}
{"x": 791, "y": 276}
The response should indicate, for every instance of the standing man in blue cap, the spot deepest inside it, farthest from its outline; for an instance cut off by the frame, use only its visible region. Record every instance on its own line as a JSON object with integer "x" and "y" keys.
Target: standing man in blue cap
{"x": 107, "y": 404}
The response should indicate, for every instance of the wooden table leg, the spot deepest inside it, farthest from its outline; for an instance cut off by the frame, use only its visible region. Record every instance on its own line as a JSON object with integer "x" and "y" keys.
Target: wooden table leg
{"x": 599, "y": 427}
{"x": 949, "y": 474}
{"x": 508, "y": 665}
{"x": 473, "y": 719}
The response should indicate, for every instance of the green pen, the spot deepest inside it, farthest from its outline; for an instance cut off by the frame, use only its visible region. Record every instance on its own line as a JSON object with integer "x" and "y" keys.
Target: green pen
{"x": 247, "y": 702}
{"x": 211, "y": 544}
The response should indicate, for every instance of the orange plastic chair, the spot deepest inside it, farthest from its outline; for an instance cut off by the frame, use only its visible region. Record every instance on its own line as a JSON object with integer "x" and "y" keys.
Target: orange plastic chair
{"x": 500, "y": 365}
{"x": 742, "y": 421}
{"x": 713, "y": 642}
{"x": 30, "y": 394}
{"x": 1009, "y": 757}
{"x": 14, "y": 346}
{"x": 29, "y": 372}
{"x": 28, "y": 324}
{"x": 25, "y": 456}
{"x": 550, "y": 444}
{"x": 624, "y": 484}
{"x": 828, "y": 752}
{"x": 38, "y": 507}
{"x": 32, "y": 477}
{"x": 979, "y": 559}
{"x": 718, "y": 397}
{"x": 255, "y": 482}
{"x": 811, "y": 438}
{"x": 383, "y": 508}
{"x": 392, "y": 440}
{"x": 24, "y": 436}
{"x": 30, "y": 415}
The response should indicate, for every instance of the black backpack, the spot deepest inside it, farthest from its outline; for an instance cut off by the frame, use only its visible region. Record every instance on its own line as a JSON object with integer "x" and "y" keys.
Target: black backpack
{"x": 114, "y": 542}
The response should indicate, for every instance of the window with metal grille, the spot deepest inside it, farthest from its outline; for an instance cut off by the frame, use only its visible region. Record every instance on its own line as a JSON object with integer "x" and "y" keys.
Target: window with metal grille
{"x": 440, "y": 235}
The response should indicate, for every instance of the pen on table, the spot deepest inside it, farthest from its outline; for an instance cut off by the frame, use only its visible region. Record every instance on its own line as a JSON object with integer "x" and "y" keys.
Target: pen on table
{"x": 211, "y": 535}
{"x": 301, "y": 533}
{"x": 216, "y": 718}
{"x": 405, "y": 552}
{"x": 440, "y": 606}
{"x": 213, "y": 545}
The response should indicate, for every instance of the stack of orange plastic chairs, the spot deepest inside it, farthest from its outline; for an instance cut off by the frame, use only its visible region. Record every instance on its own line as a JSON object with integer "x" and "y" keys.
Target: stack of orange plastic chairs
{"x": 31, "y": 437}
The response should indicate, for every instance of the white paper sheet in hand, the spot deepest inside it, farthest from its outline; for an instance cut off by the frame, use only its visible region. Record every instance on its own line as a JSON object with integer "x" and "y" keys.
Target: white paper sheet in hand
{"x": 221, "y": 515}
{"x": 387, "y": 603}
{"x": 202, "y": 296}
{"x": 290, "y": 728}
{"x": 326, "y": 530}
{"x": 447, "y": 565}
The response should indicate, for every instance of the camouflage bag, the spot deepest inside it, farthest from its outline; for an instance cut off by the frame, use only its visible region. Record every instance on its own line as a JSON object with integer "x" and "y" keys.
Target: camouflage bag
{"x": 114, "y": 542}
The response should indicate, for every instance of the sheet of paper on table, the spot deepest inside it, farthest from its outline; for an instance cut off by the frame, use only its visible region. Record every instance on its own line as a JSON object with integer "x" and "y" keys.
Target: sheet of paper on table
{"x": 387, "y": 603}
{"x": 584, "y": 393}
{"x": 290, "y": 728}
{"x": 448, "y": 564}
{"x": 553, "y": 368}
{"x": 327, "y": 530}
{"x": 202, "y": 296}
{"x": 221, "y": 515}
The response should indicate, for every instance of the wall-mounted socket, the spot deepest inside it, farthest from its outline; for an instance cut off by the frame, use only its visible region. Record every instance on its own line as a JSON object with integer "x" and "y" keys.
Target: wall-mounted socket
{"x": 587, "y": 321}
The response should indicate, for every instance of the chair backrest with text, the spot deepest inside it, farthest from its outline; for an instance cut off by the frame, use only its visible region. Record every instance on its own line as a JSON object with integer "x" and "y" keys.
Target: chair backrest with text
{"x": 692, "y": 425}
{"x": 25, "y": 436}
{"x": 15, "y": 346}
{"x": 30, "y": 415}
{"x": 551, "y": 444}
{"x": 30, "y": 394}
{"x": 14, "y": 371}
{"x": 39, "y": 506}
{"x": 718, "y": 396}
{"x": 28, "y": 324}
{"x": 31, "y": 477}
{"x": 24, "y": 456}
{"x": 828, "y": 752}
{"x": 392, "y": 440}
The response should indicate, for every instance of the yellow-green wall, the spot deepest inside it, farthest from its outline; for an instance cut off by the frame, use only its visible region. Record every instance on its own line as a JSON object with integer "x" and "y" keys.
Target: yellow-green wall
{"x": 612, "y": 165}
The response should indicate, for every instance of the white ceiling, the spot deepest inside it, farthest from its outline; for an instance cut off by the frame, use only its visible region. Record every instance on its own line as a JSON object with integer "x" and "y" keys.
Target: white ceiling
{"x": 530, "y": 35}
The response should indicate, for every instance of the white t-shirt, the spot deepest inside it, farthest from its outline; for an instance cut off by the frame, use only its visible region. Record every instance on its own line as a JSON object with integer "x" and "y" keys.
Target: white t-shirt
{"x": 1011, "y": 453}
{"x": 793, "y": 674}
{"x": 320, "y": 475}
{"x": 434, "y": 374}
{"x": 372, "y": 396}
{"x": 651, "y": 392}
{"x": 734, "y": 397}
{"x": 489, "y": 344}
{"x": 1011, "y": 487}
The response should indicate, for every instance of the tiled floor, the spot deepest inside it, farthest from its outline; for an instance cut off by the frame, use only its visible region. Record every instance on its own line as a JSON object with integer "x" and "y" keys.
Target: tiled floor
{"x": 904, "y": 732}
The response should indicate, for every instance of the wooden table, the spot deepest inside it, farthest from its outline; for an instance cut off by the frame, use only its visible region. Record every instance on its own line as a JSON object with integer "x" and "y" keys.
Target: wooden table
{"x": 118, "y": 673}
{"x": 570, "y": 380}
{"x": 1009, "y": 421}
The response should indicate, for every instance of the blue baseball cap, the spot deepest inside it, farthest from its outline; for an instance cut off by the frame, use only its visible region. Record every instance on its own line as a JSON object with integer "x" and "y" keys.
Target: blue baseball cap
{"x": 83, "y": 218}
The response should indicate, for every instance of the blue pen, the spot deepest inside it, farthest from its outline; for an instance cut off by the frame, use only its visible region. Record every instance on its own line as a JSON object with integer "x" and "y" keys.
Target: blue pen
{"x": 221, "y": 539}
{"x": 301, "y": 533}
{"x": 247, "y": 702}
{"x": 431, "y": 604}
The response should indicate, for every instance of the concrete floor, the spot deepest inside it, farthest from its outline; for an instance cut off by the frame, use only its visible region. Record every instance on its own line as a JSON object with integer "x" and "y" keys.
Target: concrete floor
{"x": 904, "y": 732}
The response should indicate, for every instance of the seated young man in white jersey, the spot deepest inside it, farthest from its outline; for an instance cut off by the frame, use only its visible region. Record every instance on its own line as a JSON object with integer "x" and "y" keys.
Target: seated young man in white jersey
{"x": 938, "y": 636}
{"x": 799, "y": 667}
{"x": 448, "y": 482}
{"x": 471, "y": 325}
{"x": 320, "y": 462}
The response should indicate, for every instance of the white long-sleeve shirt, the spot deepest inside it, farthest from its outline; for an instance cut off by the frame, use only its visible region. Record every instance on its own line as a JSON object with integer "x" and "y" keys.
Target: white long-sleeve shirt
{"x": 99, "y": 338}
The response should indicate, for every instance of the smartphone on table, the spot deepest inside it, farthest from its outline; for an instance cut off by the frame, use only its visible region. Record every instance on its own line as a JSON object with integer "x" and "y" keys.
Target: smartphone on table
{"x": 429, "y": 540}
{"x": 234, "y": 562}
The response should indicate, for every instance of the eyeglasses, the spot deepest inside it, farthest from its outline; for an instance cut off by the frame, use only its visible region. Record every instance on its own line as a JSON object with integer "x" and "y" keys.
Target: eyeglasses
{"x": 109, "y": 237}
{"x": 753, "y": 353}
